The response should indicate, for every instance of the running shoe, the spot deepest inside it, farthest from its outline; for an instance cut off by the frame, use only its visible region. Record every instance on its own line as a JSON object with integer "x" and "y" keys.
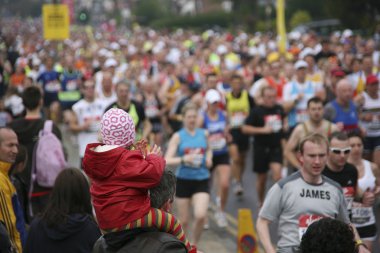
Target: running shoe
{"x": 221, "y": 219}
{"x": 238, "y": 189}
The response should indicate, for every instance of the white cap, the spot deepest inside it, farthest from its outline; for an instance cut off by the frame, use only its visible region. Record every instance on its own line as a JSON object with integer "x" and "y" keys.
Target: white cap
{"x": 347, "y": 33}
{"x": 307, "y": 51}
{"x": 300, "y": 64}
{"x": 110, "y": 63}
{"x": 221, "y": 49}
{"x": 114, "y": 46}
{"x": 212, "y": 96}
{"x": 102, "y": 52}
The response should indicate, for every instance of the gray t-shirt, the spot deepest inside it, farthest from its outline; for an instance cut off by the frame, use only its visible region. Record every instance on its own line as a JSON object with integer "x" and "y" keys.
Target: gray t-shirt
{"x": 296, "y": 204}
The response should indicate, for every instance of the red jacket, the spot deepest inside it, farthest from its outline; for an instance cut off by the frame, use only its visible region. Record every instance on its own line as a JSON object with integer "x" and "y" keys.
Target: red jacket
{"x": 120, "y": 182}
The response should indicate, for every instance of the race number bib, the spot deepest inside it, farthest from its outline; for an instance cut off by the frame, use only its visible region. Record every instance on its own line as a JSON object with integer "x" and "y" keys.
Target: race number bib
{"x": 237, "y": 119}
{"x": 274, "y": 121}
{"x": 217, "y": 141}
{"x": 362, "y": 215}
{"x": 53, "y": 86}
{"x": 304, "y": 221}
{"x": 301, "y": 116}
{"x": 349, "y": 193}
{"x": 72, "y": 85}
{"x": 151, "y": 111}
{"x": 199, "y": 154}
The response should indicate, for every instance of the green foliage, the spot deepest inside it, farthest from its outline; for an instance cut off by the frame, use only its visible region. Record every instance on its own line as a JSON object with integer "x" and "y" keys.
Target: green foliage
{"x": 262, "y": 26}
{"x": 299, "y": 17}
{"x": 204, "y": 20}
{"x": 355, "y": 14}
{"x": 316, "y": 9}
{"x": 147, "y": 11}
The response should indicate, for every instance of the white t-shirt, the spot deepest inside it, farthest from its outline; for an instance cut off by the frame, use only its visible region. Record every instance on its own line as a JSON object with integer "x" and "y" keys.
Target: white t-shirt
{"x": 291, "y": 92}
{"x": 85, "y": 111}
{"x": 107, "y": 100}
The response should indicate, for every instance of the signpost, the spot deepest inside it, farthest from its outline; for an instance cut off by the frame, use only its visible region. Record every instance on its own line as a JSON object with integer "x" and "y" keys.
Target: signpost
{"x": 56, "y": 21}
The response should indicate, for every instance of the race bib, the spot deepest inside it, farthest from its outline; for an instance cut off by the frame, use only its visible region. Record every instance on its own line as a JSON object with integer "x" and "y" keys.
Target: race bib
{"x": 151, "y": 111}
{"x": 304, "y": 221}
{"x": 237, "y": 119}
{"x": 199, "y": 154}
{"x": 301, "y": 116}
{"x": 71, "y": 85}
{"x": 375, "y": 123}
{"x": 349, "y": 193}
{"x": 52, "y": 86}
{"x": 274, "y": 121}
{"x": 217, "y": 141}
{"x": 362, "y": 215}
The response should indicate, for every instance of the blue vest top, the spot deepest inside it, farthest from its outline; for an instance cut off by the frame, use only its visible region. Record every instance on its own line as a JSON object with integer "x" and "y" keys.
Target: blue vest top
{"x": 196, "y": 144}
{"x": 216, "y": 130}
{"x": 349, "y": 118}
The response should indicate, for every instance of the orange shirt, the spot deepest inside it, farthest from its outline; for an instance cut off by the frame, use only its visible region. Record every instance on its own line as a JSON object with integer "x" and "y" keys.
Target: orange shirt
{"x": 17, "y": 79}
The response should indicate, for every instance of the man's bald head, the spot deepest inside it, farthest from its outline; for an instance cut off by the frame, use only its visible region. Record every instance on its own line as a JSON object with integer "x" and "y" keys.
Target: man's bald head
{"x": 344, "y": 91}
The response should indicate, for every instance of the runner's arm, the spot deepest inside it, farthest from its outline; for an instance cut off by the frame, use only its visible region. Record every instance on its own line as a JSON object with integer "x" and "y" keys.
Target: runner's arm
{"x": 200, "y": 121}
{"x": 147, "y": 129}
{"x": 262, "y": 226}
{"x": 170, "y": 155}
{"x": 291, "y": 146}
{"x": 74, "y": 124}
{"x": 376, "y": 173}
{"x": 208, "y": 152}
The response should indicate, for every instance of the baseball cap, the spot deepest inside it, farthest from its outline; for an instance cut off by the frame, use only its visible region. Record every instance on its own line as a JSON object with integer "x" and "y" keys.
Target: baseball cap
{"x": 300, "y": 64}
{"x": 110, "y": 63}
{"x": 212, "y": 96}
{"x": 347, "y": 33}
{"x": 117, "y": 128}
{"x": 372, "y": 79}
{"x": 307, "y": 51}
{"x": 337, "y": 72}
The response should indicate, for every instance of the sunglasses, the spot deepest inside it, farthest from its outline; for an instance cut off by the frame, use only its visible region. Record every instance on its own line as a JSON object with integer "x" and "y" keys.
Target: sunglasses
{"x": 339, "y": 151}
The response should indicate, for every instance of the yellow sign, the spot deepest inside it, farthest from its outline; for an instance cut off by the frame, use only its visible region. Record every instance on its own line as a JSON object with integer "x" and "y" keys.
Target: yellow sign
{"x": 247, "y": 239}
{"x": 56, "y": 21}
{"x": 281, "y": 30}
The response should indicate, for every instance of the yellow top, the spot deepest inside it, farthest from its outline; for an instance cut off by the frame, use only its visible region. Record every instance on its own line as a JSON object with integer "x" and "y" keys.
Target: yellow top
{"x": 237, "y": 108}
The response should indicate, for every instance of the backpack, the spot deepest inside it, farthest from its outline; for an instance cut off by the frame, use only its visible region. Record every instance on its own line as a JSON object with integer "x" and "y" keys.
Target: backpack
{"x": 48, "y": 157}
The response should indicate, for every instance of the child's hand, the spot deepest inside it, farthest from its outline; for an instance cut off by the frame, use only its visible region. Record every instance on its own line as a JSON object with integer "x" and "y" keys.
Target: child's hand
{"x": 156, "y": 150}
{"x": 142, "y": 146}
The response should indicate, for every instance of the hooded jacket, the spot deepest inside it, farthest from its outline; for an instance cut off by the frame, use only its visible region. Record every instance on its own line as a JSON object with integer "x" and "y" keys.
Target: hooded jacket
{"x": 120, "y": 182}
{"x": 78, "y": 234}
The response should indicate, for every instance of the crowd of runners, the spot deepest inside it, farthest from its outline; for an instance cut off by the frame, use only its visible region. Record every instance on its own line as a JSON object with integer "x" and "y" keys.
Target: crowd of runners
{"x": 236, "y": 86}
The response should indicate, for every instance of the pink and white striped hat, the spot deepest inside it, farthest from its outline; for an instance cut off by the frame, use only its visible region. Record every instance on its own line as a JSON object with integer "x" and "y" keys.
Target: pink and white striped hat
{"x": 117, "y": 128}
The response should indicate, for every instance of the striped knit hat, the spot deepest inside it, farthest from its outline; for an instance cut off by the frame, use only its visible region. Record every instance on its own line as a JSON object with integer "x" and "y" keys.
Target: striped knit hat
{"x": 117, "y": 128}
